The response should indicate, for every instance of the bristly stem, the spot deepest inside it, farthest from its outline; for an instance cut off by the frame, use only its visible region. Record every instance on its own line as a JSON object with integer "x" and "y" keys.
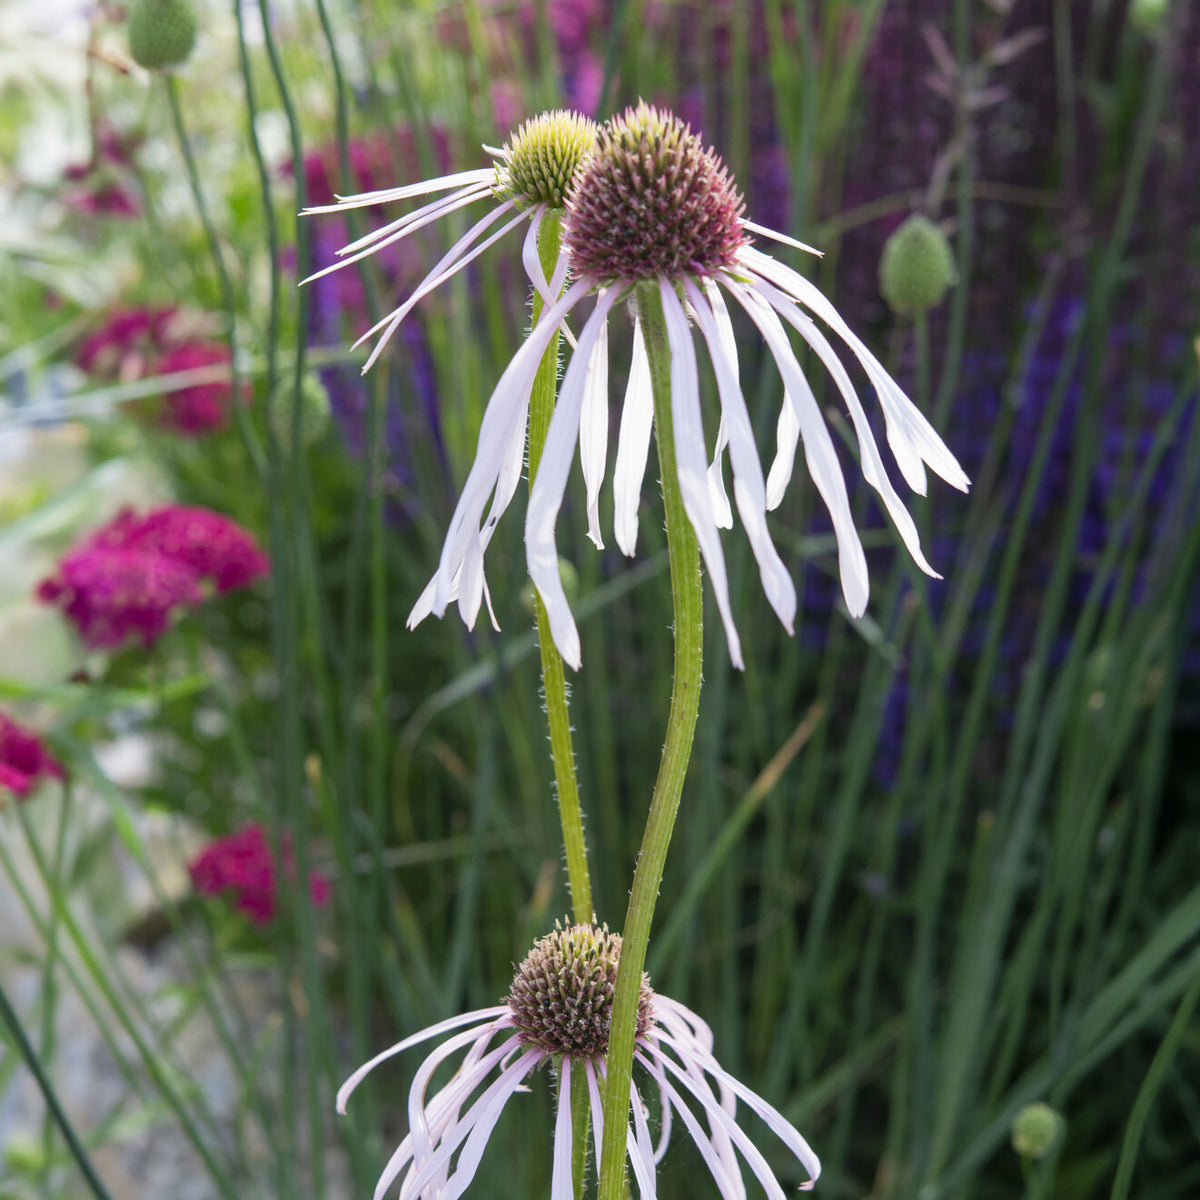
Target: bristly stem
{"x": 688, "y": 601}
{"x": 554, "y": 680}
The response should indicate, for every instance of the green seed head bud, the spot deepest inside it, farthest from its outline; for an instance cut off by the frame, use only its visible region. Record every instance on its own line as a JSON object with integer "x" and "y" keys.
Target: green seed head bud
{"x": 653, "y": 202}
{"x": 314, "y": 409}
{"x": 161, "y": 32}
{"x": 561, "y": 997}
{"x": 917, "y": 267}
{"x": 1147, "y": 16}
{"x": 1036, "y": 1130}
{"x": 539, "y": 163}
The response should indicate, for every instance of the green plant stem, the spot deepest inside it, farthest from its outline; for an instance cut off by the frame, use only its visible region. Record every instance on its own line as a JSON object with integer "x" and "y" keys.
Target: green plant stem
{"x": 688, "y": 602}
{"x": 554, "y": 680}
{"x": 78, "y": 1152}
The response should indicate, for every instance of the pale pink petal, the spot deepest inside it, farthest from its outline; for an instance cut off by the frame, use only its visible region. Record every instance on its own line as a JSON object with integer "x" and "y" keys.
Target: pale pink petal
{"x": 912, "y": 439}
{"x": 449, "y": 266}
{"x": 633, "y": 445}
{"x": 597, "y": 1107}
{"x": 819, "y": 450}
{"x": 715, "y": 1112}
{"x": 562, "y": 1183}
{"x": 787, "y": 438}
{"x": 748, "y": 487}
{"x": 775, "y": 235}
{"x": 479, "y": 1015}
{"x": 506, "y": 409}
{"x": 593, "y": 431}
{"x": 690, "y": 461}
{"x": 641, "y": 1148}
{"x": 546, "y": 494}
{"x": 871, "y": 464}
{"x": 716, "y": 1168}
{"x": 442, "y": 184}
{"x": 774, "y": 1120}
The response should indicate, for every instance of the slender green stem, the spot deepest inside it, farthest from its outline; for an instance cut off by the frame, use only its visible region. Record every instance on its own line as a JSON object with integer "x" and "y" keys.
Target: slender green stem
{"x": 554, "y": 680}
{"x": 78, "y": 1152}
{"x": 688, "y": 600}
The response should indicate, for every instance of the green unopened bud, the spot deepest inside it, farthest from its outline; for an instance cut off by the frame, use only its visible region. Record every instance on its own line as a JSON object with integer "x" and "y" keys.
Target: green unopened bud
{"x": 1036, "y": 1130}
{"x": 161, "y": 32}
{"x": 570, "y": 582}
{"x": 314, "y": 409}
{"x": 1147, "y": 16}
{"x": 917, "y": 266}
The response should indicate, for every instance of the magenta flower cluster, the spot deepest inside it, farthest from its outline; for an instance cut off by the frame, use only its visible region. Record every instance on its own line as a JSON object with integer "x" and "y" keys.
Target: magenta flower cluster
{"x": 24, "y": 761}
{"x": 243, "y": 864}
{"x": 131, "y": 575}
{"x": 137, "y": 343}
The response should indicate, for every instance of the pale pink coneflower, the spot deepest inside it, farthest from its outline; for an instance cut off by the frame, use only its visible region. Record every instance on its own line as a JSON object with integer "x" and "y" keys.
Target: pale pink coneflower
{"x": 529, "y": 178}
{"x": 558, "y": 1011}
{"x": 651, "y": 205}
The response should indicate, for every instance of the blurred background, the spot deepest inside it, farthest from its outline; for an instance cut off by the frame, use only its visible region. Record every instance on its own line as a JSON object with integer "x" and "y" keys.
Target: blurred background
{"x": 934, "y": 865}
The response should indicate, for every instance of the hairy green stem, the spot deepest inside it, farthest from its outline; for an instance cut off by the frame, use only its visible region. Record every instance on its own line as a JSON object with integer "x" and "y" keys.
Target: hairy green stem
{"x": 554, "y": 680}
{"x": 688, "y": 601}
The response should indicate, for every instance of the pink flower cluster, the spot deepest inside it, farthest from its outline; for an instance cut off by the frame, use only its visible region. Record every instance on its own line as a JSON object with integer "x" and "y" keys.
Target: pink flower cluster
{"x": 23, "y": 759}
{"x": 135, "y": 343}
{"x": 243, "y": 863}
{"x": 129, "y": 576}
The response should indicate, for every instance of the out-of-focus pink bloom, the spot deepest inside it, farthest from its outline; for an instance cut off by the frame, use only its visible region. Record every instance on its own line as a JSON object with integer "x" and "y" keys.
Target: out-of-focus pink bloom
{"x": 125, "y": 344}
{"x": 23, "y": 759}
{"x": 214, "y": 547}
{"x": 201, "y": 407}
{"x": 130, "y": 576}
{"x": 243, "y": 863}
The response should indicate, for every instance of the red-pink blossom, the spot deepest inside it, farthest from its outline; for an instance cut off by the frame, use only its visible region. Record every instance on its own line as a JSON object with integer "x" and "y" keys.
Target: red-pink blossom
{"x": 131, "y": 575}
{"x": 243, "y": 863}
{"x": 200, "y": 407}
{"x": 123, "y": 346}
{"x": 24, "y": 761}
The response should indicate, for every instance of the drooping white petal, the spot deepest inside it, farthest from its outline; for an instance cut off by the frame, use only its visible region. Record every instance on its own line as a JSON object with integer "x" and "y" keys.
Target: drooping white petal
{"x": 546, "y": 494}
{"x": 819, "y": 451}
{"x": 633, "y": 445}
{"x": 453, "y": 262}
{"x": 718, "y": 497}
{"x": 872, "y": 465}
{"x": 470, "y": 1018}
{"x": 775, "y": 235}
{"x": 377, "y": 239}
{"x": 787, "y": 439}
{"x": 505, "y": 408}
{"x": 597, "y": 1107}
{"x": 418, "y": 1116}
{"x": 725, "y": 1185}
{"x": 429, "y": 1124}
{"x": 562, "y": 1182}
{"x": 772, "y": 1117}
{"x": 593, "y": 431}
{"x": 716, "y": 477}
{"x": 748, "y": 488}
{"x": 690, "y": 462}
{"x": 715, "y": 1112}
{"x": 475, "y": 1127}
{"x": 912, "y": 439}
{"x": 385, "y": 195}
{"x": 641, "y": 1148}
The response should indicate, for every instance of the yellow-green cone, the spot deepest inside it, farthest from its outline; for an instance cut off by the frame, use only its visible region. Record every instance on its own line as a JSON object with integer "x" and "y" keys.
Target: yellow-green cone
{"x": 161, "y": 32}
{"x": 917, "y": 267}
{"x": 1036, "y": 1130}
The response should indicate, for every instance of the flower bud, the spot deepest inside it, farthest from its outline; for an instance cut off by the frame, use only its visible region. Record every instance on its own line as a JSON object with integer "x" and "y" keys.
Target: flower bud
{"x": 1147, "y": 16}
{"x": 917, "y": 266}
{"x": 314, "y": 409}
{"x": 161, "y": 32}
{"x": 1036, "y": 1130}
